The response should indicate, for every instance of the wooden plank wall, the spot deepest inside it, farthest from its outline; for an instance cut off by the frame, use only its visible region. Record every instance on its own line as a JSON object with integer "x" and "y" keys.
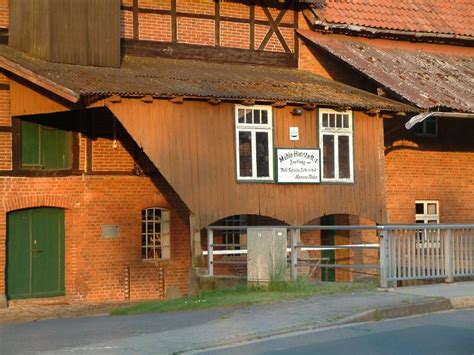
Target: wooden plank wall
{"x": 28, "y": 99}
{"x": 68, "y": 31}
{"x": 193, "y": 146}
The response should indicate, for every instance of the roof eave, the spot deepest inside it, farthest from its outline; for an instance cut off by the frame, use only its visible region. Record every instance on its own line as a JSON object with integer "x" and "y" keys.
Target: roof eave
{"x": 39, "y": 80}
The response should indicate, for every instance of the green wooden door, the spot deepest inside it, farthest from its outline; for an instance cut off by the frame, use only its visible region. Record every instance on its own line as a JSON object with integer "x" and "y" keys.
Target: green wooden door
{"x": 35, "y": 253}
{"x": 328, "y": 237}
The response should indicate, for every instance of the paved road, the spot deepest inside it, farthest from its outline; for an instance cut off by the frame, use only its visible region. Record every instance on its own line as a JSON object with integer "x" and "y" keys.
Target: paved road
{"x": 53, "y": 334}
{"x": 442, "y": 333}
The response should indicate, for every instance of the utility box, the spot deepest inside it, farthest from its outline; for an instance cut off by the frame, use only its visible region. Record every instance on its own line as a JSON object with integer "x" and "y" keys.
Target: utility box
{"x": 266, "y": 255}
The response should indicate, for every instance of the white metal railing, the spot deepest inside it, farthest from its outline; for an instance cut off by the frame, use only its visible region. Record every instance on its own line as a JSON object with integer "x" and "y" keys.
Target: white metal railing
{"x": 426, "y": 252}
{"x": 407, "y": 252}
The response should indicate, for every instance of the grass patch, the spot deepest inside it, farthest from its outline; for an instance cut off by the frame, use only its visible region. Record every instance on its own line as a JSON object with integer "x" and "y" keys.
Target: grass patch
{"x": 244, "y": 295}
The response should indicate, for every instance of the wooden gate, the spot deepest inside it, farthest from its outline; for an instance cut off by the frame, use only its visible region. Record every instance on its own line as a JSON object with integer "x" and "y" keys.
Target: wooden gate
{"x": 35, "y": 253}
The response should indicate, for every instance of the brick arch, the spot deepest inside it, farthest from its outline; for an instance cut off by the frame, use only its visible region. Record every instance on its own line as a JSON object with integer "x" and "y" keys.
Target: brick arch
{"x": 17, "y": 203}
{"x": 155, "y": 200}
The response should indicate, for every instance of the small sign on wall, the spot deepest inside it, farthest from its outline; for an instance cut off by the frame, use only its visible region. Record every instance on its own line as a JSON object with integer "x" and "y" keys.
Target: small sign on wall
{"x": 294, "y": 134}
{"x": 298, "y": 166}
{"x": 110, "y": 231}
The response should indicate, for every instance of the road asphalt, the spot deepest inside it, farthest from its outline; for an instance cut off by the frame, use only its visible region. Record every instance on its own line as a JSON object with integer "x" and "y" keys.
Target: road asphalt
{"x": 165, "y": 333}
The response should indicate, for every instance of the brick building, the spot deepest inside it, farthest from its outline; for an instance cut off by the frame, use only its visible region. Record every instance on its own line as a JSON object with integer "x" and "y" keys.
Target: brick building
{"x": 126, "y": 130}
{"x": 418, "y": 53}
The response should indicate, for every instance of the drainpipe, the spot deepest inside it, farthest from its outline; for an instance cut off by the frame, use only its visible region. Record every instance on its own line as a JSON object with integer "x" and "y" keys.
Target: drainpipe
{"x": 423, "y": 116}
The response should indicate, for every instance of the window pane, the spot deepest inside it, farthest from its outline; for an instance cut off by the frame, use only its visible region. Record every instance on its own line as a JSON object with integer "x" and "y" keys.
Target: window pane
{"x": 430, "y": 126}
{"x": 339, "y": 121}
{"x": 418, "y": 128}
{"x": 432, "y": 221}
{"x": 264, "y": 116}
{"x": 55, "y": 148}
{"x": 263, "y": 167}
{"x": 346, "y": 121}
{"x": 431, "y": 208}
{"x": 344, "y": 164}
{"x": 328, "y": 156}
{"x": 332, "y": 120}
{"x": 241, "y": 115}
{"x": 256, "y": 116}
{"x": 420, "y": 221}
{"x": 419, "y": 208}
{"x": 30, "y": 143}
{"x": 245, "y": 153}
{"x": 325, "y": 120}
{"x": 248, "y": 116}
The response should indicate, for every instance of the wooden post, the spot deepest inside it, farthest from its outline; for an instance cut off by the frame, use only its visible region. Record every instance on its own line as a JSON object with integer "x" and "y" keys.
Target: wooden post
{"x": 294, "y": 240}
{"x": 449, "y": 255}
{"x": 210, "y": 250}
{"x": 384, "y": 251}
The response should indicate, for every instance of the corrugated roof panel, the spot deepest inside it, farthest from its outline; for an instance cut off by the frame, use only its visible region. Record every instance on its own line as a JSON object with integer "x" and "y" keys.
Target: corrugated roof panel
{"x": 429, "y": 78}
{"x": 162, "y": 77}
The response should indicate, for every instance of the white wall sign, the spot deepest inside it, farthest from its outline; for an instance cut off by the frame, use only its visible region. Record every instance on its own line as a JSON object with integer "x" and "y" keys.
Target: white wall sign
{"x": 294, "y": 134}
{"x": 298, "y": 166}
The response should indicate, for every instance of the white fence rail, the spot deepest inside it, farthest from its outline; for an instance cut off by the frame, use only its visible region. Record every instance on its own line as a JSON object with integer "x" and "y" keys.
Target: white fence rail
{"x": 427, "y": 252}
{"x": 407, "y": 252}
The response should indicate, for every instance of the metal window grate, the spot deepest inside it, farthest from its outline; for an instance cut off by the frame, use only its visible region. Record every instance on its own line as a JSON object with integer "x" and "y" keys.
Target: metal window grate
{"x": 151, "y": 233}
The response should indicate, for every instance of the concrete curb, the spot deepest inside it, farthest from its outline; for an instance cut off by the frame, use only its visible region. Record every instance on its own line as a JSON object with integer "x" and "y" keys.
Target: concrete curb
{"x": 462, "y": 302}
{"x": 400, "y": 311}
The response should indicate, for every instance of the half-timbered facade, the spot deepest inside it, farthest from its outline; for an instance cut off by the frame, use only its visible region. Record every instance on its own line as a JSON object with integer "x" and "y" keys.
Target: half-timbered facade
{"x": 124, "y": 153}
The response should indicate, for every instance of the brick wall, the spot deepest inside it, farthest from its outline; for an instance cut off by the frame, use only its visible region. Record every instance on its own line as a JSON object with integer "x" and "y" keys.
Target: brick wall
{"x": 95, "y": 267}
{"x": 4, "y": 13}
{"x": 430, "y": 168}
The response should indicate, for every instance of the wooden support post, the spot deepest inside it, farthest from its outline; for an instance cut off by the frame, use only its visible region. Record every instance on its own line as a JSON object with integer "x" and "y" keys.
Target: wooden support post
{"x": 449, "y": 255}
{"x": 384, "y": 252}
{"x": 294, "y": 240}
{"x": 210, "y": 251}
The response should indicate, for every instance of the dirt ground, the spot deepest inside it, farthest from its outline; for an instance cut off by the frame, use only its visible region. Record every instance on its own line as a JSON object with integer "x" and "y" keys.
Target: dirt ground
{"x": 20, "y": 311}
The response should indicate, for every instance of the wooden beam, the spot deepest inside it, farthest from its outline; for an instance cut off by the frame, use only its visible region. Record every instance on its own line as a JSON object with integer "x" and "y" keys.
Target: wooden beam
{"x": 208, "y": 53}
{"x": 380, "y": 92}
{"x": 115, "y": 99}
{"x": 177, "y": 100}
{"x": 43, "y": 82}
{"x": 279, "y": 104}
{"x": 372, "y": 112}
{"x": 248, "y": 102}
{"x": 310, "y": 106}
{"x": 214, "y": 101}
{"x": 147, "y": 99}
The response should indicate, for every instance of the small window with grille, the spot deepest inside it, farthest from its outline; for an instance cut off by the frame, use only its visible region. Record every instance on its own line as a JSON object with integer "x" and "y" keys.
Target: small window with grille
{"x": 232, "y": 238}
{"x": 155, "y": 233}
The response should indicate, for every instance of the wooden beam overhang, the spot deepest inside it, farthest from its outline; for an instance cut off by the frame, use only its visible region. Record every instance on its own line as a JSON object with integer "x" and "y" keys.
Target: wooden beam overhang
{"x": 310, "y": 106}
{"x": 177, "y": 100}
{"x": 36, "y": 79}
{"x": 279, "y": 104}
{"x": 147, "y": 99}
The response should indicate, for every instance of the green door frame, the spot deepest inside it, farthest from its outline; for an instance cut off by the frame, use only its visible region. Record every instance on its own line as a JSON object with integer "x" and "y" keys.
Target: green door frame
{"x": 328, "y": 237}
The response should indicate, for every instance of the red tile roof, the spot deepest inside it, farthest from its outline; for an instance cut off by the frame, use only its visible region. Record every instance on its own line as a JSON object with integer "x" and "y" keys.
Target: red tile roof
{"x": 454, "y": 17}
{"x": 428, "y": 75}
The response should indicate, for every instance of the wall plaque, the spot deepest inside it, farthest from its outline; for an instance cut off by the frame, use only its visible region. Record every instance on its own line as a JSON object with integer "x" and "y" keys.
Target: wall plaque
{"x": 298, "y": 166}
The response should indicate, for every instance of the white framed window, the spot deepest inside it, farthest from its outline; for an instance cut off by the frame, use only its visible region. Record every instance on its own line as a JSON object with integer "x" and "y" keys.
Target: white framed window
{"x": 428, "y": 127}
{"x": 427, "y": 212}
{"x": 336, "y": 143}
{"x": 155, "y": 233}
{"x": 254, "y": 142}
